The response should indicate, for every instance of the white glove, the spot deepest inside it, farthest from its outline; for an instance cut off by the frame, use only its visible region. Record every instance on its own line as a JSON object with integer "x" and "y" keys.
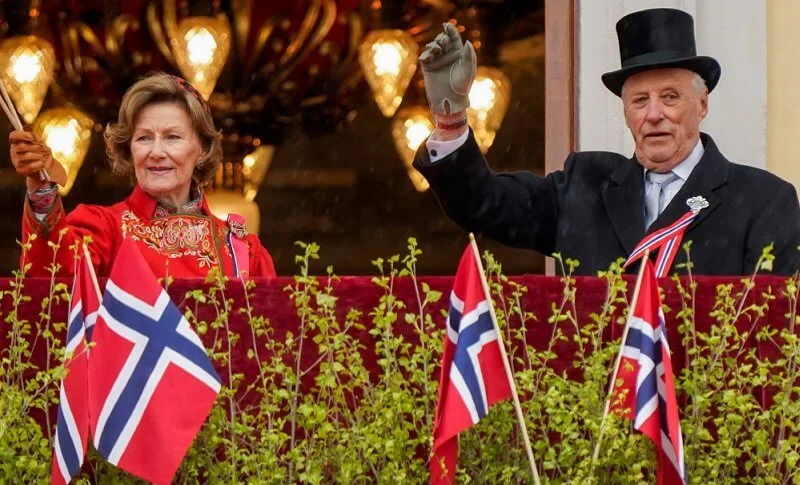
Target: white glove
{"x": 448, "y": 67}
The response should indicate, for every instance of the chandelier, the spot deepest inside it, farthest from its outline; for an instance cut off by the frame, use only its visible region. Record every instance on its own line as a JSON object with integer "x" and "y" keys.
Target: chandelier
{"x": 264, "y": 68}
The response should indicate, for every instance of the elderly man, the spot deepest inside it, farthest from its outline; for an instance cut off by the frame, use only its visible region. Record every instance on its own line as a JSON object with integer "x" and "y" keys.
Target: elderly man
{"x": 602, "y": 204}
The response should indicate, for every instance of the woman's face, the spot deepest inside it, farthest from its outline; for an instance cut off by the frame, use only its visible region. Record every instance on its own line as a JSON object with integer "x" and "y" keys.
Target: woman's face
{"x": 165, "y": 149}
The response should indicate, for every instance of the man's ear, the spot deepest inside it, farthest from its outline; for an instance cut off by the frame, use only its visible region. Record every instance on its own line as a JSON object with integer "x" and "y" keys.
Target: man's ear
{"x": 704, "y": 105}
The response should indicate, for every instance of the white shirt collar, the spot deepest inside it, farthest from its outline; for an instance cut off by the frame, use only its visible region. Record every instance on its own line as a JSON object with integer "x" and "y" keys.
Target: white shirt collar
{"x": 685, "y": 168}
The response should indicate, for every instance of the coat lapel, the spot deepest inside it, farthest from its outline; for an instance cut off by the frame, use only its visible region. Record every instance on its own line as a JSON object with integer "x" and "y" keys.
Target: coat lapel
{"x": 707, "y": 176}
{"x": 623, "y": 196}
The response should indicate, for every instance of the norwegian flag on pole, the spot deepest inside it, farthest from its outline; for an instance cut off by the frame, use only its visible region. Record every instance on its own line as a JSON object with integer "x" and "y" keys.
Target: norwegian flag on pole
{"x": 152, "y": 383}
{"x": 72, "y": 426}
{"x": 473, "y": 375}
{"x": 645, "y": 372}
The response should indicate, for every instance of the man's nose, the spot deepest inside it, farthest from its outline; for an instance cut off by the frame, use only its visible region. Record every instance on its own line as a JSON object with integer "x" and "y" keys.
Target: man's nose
{"x": 655, "y": 111}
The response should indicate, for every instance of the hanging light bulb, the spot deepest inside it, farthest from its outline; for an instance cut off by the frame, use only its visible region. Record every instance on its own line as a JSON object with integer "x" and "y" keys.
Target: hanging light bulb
{"x": 26, "y": 67}
{"x": 388, "y": 59}
{"x": 254, "y": 168}
{"x": 68, "y": 133}
{"x": 238, "y": 178}
{"x": 488, "y": 103}
{"x": 410, "y": 128}
{"x": 201, "y": 46}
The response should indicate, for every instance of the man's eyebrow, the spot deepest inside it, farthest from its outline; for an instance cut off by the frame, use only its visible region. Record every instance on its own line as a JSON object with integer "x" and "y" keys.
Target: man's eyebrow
{"x": 634, "y": 94}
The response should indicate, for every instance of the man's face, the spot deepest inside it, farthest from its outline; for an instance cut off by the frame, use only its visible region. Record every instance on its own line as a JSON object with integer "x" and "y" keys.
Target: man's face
{"x": 663, "y": 110}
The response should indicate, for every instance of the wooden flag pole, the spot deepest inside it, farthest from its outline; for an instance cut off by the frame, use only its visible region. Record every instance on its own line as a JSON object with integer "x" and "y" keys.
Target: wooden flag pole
{"x": 509, "y": 375}
{"x": 16, "y": 124}
{"x": 619, "y": 355}
{"x": 9, "y": 108}
{"x": 13, "y": 117}
{"x": 95, "y": 284}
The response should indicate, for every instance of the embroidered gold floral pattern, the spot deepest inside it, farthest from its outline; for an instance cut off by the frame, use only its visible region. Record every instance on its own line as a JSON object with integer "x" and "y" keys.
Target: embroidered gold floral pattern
{"x": 175, "y": 236}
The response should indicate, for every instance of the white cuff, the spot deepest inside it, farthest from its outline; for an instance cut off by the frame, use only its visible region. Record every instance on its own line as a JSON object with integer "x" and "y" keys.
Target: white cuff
{"x": 438, "y": 149}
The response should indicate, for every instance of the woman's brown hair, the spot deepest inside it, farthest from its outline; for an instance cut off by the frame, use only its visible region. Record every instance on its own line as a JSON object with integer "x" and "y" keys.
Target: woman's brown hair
{"x": 163, "y": 88}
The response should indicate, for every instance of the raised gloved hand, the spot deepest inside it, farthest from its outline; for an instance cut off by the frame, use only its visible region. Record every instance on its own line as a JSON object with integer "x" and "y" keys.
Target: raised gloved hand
{"x": 30, "y": 156}
{"x": 448, "y": 66}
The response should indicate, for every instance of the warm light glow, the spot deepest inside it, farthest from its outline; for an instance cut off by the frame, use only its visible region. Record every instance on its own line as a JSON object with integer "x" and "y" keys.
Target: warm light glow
{"x": 240, "y": 201}
{"x": 63, "y": 139}
{"x": 201, "y": 47}
{"x": 388, "y": 60}
{"x": 254, "y": 169}
{"x": 410, "y": 128}
{"x": 26, "y": 67}
{"x": 482, "y": 95}
{"x": 224, "y": 202}
{"x": 68, "y": 133}
{"x": 488, "y": 99}
{"x": 416, "y": 132}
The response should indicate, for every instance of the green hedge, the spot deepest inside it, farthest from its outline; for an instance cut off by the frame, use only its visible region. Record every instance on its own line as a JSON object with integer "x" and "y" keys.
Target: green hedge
{"x": 350, "y": 428}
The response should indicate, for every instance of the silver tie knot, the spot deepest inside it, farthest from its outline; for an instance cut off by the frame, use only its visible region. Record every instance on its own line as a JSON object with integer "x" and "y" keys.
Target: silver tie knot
{"x": 655, "y": 195}
{"x": 660, "y": 178}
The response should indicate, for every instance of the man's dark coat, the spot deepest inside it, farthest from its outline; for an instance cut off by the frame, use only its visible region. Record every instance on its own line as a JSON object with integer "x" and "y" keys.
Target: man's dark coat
{"x": 593, "y": 210}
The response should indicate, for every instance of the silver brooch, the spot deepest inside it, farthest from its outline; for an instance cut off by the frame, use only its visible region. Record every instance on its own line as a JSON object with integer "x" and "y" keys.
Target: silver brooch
{"x": 697, "y": 203}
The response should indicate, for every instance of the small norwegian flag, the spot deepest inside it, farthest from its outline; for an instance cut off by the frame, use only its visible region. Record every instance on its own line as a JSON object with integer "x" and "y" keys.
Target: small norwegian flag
{"x": 72, "y": 426}
{"x": 645, "y": 373}
{"x": 473, "y": 375}
{"x": 152, "y": 382}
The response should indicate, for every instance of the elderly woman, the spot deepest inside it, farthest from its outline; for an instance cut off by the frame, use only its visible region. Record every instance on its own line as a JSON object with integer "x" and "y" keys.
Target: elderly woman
{"x": 165, "y": 141}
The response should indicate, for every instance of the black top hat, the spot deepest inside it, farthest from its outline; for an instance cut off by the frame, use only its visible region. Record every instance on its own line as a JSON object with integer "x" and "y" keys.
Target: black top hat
{"x": 659, "y": 38}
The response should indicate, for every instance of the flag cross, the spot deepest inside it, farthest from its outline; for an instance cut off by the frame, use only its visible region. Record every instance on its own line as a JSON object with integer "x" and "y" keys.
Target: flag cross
{"x": 646, "y": 345}
{"x": 75, "y": 330}
{"x": 72, "y": 425}
{"x": 69, "y": 453}
{"x": 646, "y": 375}
{"x": 78, "y": 327}
{"x": 161, "y": 336}
{"x": 475, "y": 371}
{"x": 472, "y": 331}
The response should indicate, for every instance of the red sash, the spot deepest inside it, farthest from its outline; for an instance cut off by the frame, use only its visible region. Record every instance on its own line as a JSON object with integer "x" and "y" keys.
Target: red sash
{"x": 666, "y": 240}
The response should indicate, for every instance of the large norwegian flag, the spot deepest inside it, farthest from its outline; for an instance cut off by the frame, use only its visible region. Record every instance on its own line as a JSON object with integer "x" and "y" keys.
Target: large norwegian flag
{"x": 645, "y": 372}
{"x": 473, "y": 375}
{"x": 72, "y": 426}
{"x": 152, "y": 383}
